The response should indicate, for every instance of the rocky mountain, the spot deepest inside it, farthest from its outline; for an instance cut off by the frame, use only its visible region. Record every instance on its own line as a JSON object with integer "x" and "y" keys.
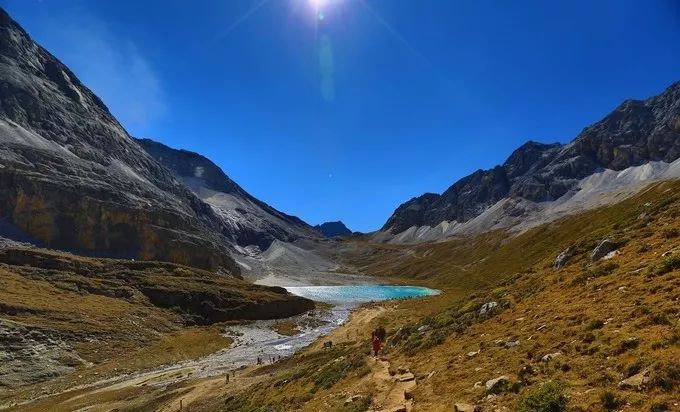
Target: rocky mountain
{"x": 332, "y": 229}
{"x": 634, "y": 134}
{"x": 247, "y": 220}
{"x": 72, "y": 178}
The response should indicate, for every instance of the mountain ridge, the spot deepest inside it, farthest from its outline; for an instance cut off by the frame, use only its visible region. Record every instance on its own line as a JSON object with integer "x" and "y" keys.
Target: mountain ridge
{"x": 248, "y": 220}
{"x": 73, "y": 179}
{"x": 636, "y": 132}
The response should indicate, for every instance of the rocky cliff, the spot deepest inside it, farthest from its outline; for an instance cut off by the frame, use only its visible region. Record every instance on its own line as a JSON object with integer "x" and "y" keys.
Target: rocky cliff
{"x": 247, "y": 220}
{"x": 72, "y": 178}
{"x": 637, "y": 132}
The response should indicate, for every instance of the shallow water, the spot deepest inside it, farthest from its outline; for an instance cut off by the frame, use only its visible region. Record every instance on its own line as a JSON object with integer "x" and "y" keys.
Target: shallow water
{"x": 360, "y": 293}
{"x": 258, "y": 339}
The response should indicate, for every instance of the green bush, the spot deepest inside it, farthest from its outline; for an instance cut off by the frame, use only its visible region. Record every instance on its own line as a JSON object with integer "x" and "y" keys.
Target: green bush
{"x": 594, "y": 324}
{"x": 669, "y": 264}
{"x": 360, "y": 405}
{"x": 549, "y": 397}
{"x": 609, "y": 401}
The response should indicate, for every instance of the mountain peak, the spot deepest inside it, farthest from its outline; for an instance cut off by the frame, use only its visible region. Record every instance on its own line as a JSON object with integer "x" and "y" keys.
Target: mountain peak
{"x": 333, "y": 229}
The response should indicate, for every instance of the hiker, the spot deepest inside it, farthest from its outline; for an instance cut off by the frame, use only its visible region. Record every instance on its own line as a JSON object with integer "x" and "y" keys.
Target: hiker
{"x": 381, "y": 333}
{"x": 376, "y": 344}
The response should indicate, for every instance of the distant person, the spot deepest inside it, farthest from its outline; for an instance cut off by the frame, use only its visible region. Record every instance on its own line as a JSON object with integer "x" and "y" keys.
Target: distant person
{"x": 381, "y": 333}
{"x": 377, "y": 344}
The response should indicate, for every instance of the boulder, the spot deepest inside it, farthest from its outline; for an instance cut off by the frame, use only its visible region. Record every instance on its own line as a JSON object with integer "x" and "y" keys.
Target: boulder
{"x": 487, "y": 308}
{"x": 637, "y": 382}
{"x": 497, "y": 385}
{"x": 562, "y": 258}
{"x": 603, "y": 249}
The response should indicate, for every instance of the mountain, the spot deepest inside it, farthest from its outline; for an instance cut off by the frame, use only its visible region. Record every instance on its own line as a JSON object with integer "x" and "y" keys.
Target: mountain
{"x": 247, "y": 220}
{"x": 332, "y": 229}
{"x": 72, "y": 178}
{"x": 637, "y": 133}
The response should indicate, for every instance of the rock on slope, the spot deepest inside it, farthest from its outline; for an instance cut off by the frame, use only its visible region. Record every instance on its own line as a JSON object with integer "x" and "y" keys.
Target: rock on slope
{"x": 332, "y": 229}
{"x": 248, "y": 221}
{"x": 72, "y": 178}
{"x": 636, "y": 133}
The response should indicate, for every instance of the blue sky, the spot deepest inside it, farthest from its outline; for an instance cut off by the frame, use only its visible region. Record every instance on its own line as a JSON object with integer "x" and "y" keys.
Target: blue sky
{"x": 347, "y": 111}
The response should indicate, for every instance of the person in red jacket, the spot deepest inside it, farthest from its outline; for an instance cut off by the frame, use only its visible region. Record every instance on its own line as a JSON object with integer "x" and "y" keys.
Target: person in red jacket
{"x": 377, "y": 345}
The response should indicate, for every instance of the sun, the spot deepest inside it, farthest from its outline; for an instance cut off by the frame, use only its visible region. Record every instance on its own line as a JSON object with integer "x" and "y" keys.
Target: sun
{"x": 317, "y": 4}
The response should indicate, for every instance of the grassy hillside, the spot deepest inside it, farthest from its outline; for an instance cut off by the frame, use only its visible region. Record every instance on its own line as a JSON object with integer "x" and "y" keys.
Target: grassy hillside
{"x": 563, "y": 339}
{"x": 81, "y": 319}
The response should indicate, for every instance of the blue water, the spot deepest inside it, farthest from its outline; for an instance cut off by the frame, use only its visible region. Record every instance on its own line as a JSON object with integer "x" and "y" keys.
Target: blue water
{"x": 360, "y": 293}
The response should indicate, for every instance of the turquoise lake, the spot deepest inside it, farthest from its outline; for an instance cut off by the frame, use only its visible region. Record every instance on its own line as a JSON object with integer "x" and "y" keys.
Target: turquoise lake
{"x": 360, "y": 293}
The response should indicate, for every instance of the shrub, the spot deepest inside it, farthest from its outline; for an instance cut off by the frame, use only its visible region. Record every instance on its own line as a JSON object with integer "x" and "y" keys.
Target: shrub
{"x": 666, "y": 376}
{"x": 609, "y": 401}
{"x": 670, "y": 233}
{"x": 659, "y": 407}
{"x": 594, "y": 324}
{"x": 669, "y": 264}
{"x": 628, "y": 344}
{"x": 360, "y": 405}
{"x": 549, "y": 397}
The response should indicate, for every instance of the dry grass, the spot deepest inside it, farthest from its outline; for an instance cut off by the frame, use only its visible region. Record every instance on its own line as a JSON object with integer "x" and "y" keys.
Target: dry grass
{"x": 286, "y": 328}
{"x": 608, "y": 320}
{"x": 109, "y": 312}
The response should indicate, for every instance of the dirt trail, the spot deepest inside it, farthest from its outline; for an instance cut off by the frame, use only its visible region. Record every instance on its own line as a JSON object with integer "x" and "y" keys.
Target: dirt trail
{"x": 355, "y": 329}
{"x": 210, "y": 388}
{"x": 391, "y": 391}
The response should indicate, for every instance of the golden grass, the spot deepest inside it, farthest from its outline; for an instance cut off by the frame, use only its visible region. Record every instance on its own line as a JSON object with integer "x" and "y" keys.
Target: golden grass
{"x": 586, "y": 311}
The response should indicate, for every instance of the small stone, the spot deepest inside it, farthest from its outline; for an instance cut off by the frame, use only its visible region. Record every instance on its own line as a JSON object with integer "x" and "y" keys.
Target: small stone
{"x": 352, "y": 399}
{"x": 472, "y": 354}
{"x": 550, "y": 356}
{"x": 511, "y": 344}
{"x": 407, "y": 377}
{"x": 487, "y": 308}
{"x": 463, "y": 407}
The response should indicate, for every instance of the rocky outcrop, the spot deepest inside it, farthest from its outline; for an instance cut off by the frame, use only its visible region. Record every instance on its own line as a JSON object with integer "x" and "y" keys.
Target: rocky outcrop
{"x": 603, "y": 249}
{"x": 247, "y": 220}
{"x": 71, "y": 177}
{"x": 635, "y": 133}
{"x": 333, "y": 229}
{"x": 199, "y": 296}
